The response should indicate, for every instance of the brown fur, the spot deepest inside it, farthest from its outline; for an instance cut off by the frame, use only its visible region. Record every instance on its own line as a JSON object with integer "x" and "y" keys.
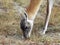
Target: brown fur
{"x": 33, "y": 8}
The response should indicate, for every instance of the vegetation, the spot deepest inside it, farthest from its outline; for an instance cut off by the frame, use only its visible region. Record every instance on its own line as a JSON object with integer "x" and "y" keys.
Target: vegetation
{"x": 10, "y": 32}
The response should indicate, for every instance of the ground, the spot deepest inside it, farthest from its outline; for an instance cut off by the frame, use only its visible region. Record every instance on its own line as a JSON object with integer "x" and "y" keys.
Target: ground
{"x": 11, "y": 34}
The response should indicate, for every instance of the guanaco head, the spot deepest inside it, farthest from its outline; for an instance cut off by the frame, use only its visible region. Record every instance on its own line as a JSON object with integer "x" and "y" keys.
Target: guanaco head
{"x": 26, "y": 27}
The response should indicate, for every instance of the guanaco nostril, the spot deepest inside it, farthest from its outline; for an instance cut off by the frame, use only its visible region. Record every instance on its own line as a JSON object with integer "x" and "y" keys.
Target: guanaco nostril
{"x": 26, "y": 27}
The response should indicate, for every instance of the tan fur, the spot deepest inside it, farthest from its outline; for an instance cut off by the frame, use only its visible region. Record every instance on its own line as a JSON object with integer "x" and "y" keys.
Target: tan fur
{"x": 32, "y": 9}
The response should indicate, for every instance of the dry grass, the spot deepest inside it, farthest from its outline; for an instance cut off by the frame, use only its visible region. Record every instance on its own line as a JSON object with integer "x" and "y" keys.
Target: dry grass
{"x": 11, "y": 34}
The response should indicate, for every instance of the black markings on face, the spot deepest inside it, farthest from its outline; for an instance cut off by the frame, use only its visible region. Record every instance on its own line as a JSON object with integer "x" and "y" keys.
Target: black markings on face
{"x": 26, "y": 27}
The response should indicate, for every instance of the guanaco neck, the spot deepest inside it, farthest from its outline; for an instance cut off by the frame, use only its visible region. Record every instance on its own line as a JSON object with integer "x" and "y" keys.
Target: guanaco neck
{"x": 33, "y": 8}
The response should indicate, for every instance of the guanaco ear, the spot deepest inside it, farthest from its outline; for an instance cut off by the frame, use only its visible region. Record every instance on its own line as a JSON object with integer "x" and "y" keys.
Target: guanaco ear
{"x": 24, "y": 16}
{"x": 21, "y": 11}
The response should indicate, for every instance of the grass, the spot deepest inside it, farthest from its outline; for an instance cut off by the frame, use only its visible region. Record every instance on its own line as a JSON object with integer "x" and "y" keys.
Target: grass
{"x": 10, "y": 26}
